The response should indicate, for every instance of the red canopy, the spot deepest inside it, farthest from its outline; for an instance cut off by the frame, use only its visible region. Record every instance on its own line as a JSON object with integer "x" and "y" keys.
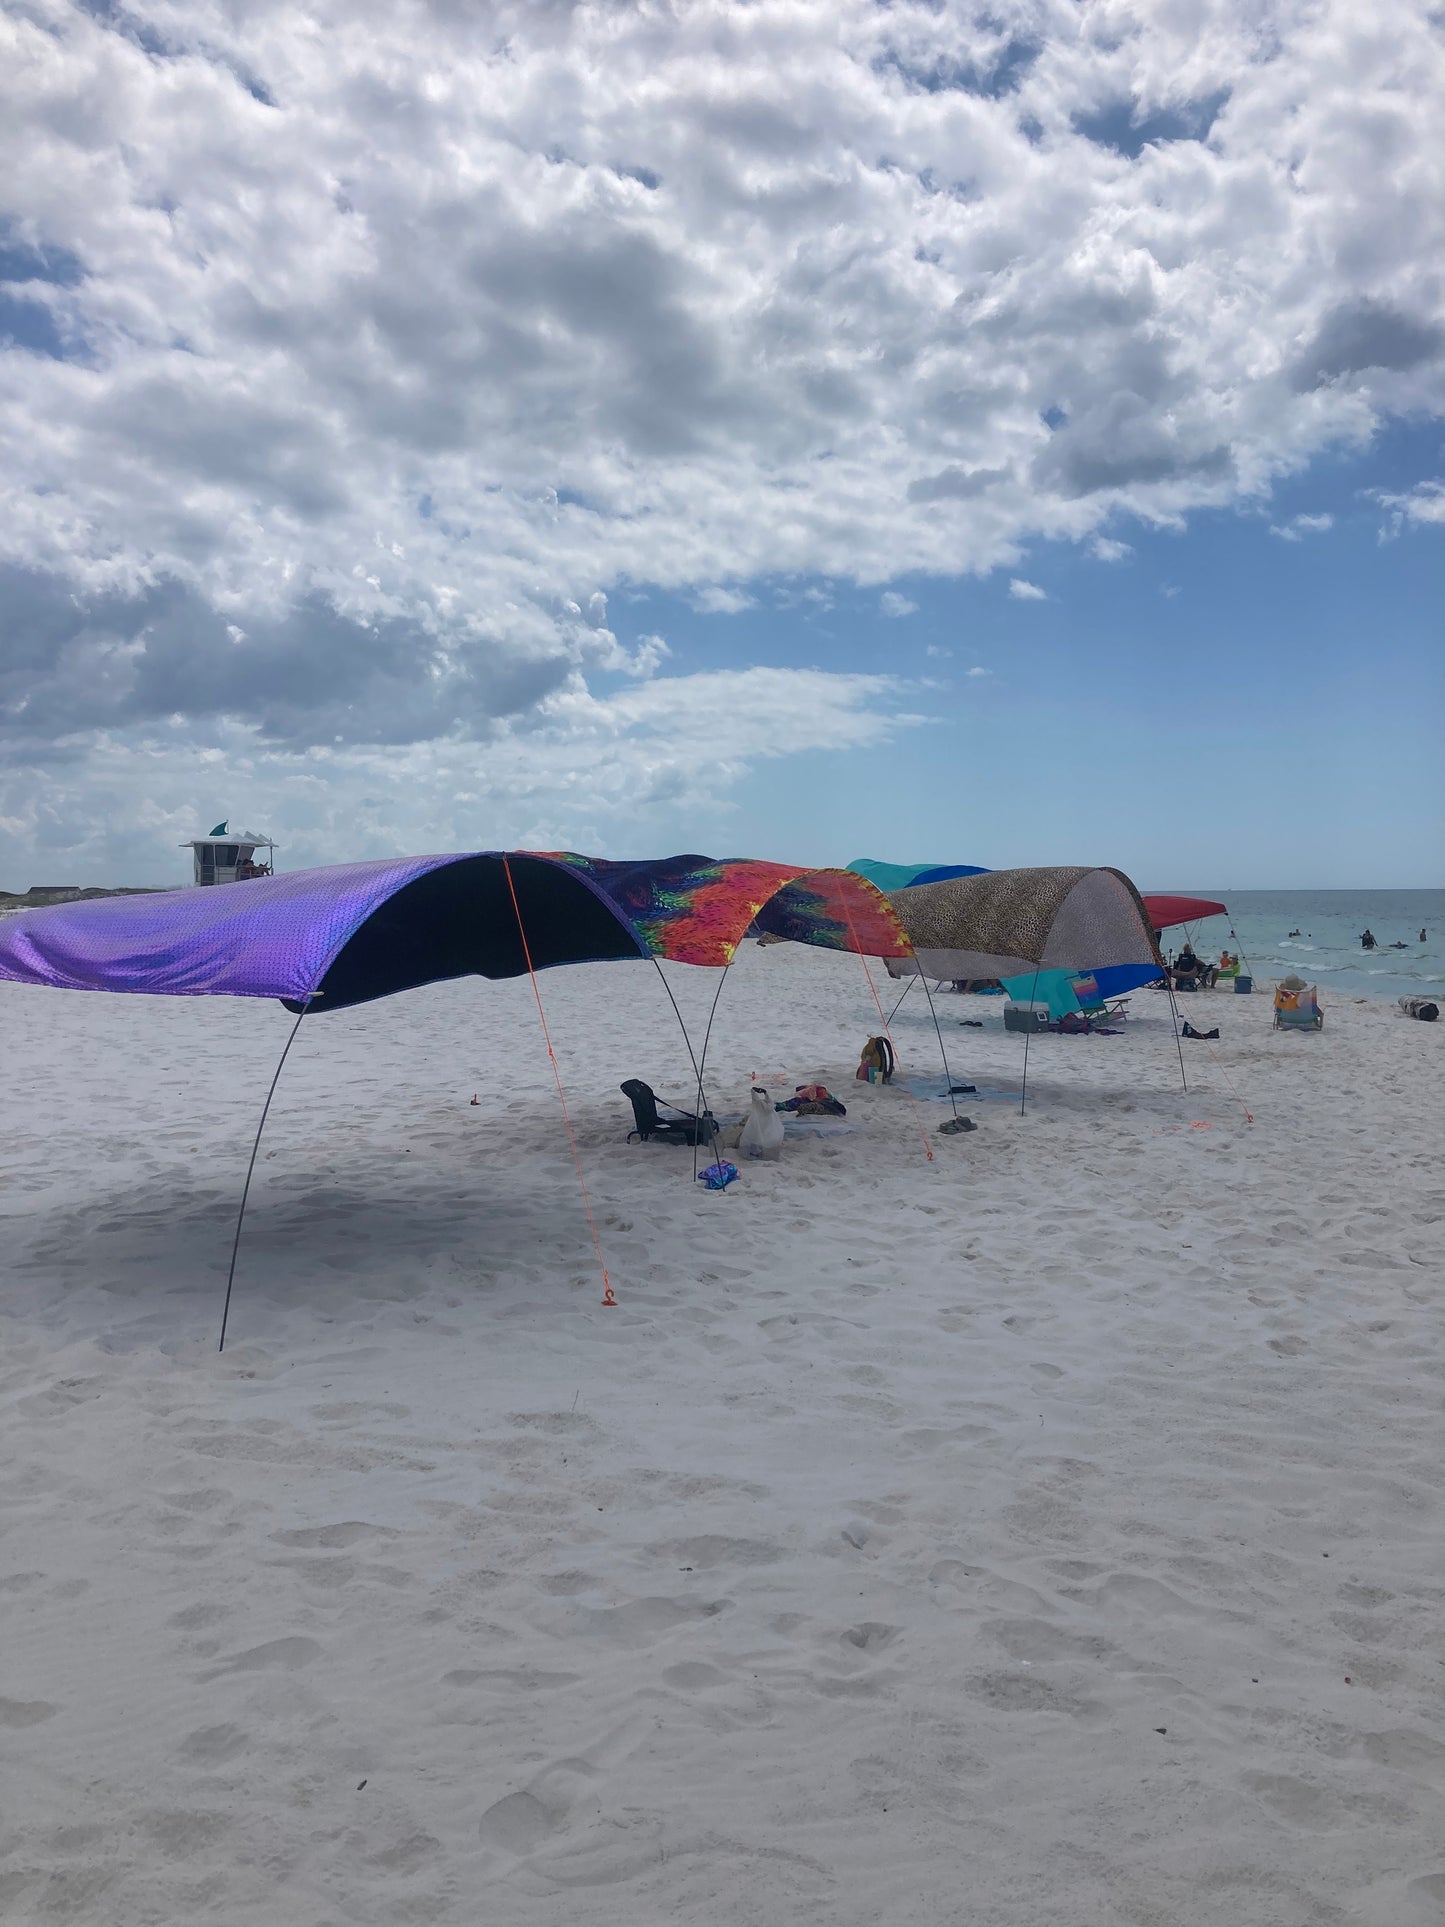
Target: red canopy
{"x": 1164, "y": 911}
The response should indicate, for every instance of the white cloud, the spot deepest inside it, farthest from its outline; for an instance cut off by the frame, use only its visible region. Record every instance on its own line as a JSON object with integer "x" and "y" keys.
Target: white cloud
{"x": 647, "y": 656}
{"x": 1106, "y": 549}
{"x": 1300, "y": 526}
{"x": 718, "y": 601}
{"x": 579, "y": 770}
{"x": 934, "y": 649}
{"x": 978, "y": 670}
{"x": 362, "y": 352}
{"x": 814, "y": 599}
{"x": 1423, "y": 504}
{"x": 893, "y": 604}
{"x": 1023, "y": 591}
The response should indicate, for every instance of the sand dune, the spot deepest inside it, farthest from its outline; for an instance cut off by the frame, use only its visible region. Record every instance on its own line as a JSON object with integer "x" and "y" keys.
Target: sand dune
{"x": 1047, "y": 1533}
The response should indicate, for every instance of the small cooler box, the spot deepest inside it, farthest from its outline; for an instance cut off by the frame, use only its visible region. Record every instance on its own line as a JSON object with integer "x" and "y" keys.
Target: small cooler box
{"x": 1026, "y": 1017}
{"x": 1243, "y": 986}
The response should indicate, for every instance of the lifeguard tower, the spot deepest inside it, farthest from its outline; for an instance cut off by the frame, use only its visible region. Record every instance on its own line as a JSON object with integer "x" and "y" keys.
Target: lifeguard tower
{"x": 224, "y": 858}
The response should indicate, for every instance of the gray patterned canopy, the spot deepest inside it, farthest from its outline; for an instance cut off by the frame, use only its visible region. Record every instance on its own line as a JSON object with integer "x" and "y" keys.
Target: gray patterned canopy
{"x": 1005, "y": 922}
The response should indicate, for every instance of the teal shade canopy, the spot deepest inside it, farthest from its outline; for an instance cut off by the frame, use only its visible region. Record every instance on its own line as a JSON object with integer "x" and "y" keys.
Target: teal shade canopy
{"x": 902, "y": 876}
{"x": 1055, "y": 988}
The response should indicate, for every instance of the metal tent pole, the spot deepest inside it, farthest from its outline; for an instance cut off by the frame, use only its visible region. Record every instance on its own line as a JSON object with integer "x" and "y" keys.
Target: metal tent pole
{"x": 246, "y": 1188}
{"x": 1024, "y": 1092}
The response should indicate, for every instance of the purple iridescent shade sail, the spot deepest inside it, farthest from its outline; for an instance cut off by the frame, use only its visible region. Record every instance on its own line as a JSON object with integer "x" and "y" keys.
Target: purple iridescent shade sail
{"x": 268, "y": 937}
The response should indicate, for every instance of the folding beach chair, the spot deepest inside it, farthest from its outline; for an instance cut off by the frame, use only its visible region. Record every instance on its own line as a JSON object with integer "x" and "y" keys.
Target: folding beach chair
{"x": 685, "y": 1128}
{"x": 1298, "y": 1009}
{"x": 1098, "y": 1009}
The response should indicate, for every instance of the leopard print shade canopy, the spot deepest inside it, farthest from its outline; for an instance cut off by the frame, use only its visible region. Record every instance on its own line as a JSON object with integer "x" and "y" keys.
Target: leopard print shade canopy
{"x": 1007, "y": 921}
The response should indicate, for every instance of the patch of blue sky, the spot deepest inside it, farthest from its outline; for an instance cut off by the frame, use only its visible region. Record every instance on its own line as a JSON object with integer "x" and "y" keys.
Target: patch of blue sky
{"x": 1215, "y": 700}
{"x": 1121, "y": 126}
{"x": 991, "y": 77}
{"x": 28, "y": 323}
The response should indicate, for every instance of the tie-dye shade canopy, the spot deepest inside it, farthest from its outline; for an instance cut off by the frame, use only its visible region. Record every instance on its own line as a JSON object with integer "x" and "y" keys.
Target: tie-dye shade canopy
{"x": 358, "y": 931}
{"x": 695, "y": 910}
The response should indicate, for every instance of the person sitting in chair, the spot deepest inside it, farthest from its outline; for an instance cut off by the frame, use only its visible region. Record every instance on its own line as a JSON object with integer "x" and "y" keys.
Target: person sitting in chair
{"x": 1186, "y": 966}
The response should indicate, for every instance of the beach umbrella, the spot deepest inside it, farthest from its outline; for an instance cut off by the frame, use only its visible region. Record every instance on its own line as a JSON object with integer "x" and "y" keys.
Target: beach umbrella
{"x": 1165, "y": 911}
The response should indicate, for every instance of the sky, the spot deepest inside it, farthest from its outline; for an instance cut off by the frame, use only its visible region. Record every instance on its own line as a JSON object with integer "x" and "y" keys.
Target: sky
{"x": 804, "y": 429}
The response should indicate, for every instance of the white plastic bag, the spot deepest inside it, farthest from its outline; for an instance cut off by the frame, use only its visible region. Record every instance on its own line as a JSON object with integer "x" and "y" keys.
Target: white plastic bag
{"x": 763, "y": 1130}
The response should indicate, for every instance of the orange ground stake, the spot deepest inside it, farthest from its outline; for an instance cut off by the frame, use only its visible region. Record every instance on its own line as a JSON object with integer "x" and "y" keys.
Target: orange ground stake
{"x": 607, "y": 1297}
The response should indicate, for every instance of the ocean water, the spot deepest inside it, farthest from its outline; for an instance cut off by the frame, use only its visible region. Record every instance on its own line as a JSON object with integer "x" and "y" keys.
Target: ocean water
{"x": 1327, "y": 951}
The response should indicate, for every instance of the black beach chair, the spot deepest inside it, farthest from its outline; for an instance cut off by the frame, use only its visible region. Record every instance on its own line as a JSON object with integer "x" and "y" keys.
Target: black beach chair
{"x": 686, "y": 1128}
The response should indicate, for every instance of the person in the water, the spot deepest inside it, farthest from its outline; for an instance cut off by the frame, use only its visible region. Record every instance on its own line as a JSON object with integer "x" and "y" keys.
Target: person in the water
{"x": 1367, "y": 939}
{"x": 1422, "y": 936}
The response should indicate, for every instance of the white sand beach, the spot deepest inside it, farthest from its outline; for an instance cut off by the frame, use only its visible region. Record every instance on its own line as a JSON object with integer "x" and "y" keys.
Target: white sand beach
{"x": 1047, "y": 1535}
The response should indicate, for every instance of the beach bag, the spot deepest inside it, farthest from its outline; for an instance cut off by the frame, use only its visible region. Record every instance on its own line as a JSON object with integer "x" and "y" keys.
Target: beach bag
{"x": 876, "y": 1065}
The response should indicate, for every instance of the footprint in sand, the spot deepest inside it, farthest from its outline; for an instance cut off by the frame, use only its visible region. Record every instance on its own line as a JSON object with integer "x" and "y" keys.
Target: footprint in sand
{"x": 194, "y": 1619}
{"x": 346, "y": 1532}
{"x": 526, "y": 1679}
{"x": 569, "y": 1827}
{"x": 1415, "y": 1754}
{"x": 1303, "y": 1805}
{"x": 1136, "y": 1592}
{"x": 346, "y": 1412}
{"x": 1040, "y": 1644}
{"x": 180, "y": 1834}
{"x": 1399, "y": 1901}
{"x": 702, "y": 1554}
{"x": 637, "y": 1622}
{"x": 872, "y": 1637}
{"x": 287, "y": 1654}
{"x": 25, "y": 1712}
{"x": 954, "y": 1579}
{"x": 694, "y": 1676}
{"x": 1023, "y": 1693}
{"x": 210, "y": 1745}
{"x": 205, "y": 1499}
